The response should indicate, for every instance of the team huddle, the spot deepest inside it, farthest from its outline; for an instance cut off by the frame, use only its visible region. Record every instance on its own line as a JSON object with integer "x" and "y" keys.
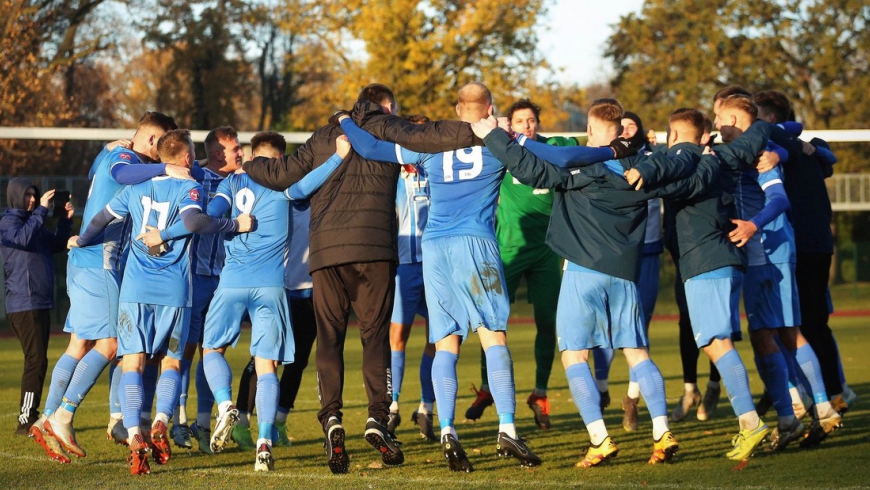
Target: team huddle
{"x": 396, "y": 217}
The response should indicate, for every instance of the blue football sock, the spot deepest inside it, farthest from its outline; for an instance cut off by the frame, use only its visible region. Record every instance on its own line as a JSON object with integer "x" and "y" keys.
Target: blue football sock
{"x": 268, "y": 390}
{"x": 733, "y": 372}
{"x": 445, "y": 384}
{"x": 204, "y": 396}
{"x": 185, "y": 382}
{"x": 167, "y": 391}
{"x": 131, "y": 398}
{"x": 809, "y": 365}
{"x": 149, "y": 388}
{"x": 773, "y": 371}
{"x": 427, "y": 391}
{"x": 652, "y": 387}
{"x": 397, "y": 363}
{"x": 60, "y": 376}
{"x": 603, "y": 357}
{"x": 219, "y": 376}
{"x": 115, "y": 388}
{"x": 85, "y": 376}
{"x": 500, "y": 376}
{"x": 584, "y": 392}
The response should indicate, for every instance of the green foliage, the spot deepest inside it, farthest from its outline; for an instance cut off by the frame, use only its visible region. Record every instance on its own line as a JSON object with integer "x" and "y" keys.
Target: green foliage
{"x": 678, "y": 53}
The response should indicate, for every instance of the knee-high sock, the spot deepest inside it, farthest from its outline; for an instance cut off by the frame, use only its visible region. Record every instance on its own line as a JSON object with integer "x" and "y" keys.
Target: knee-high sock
{"x": 204, "y": 397}
{"x": 796, "y": 379}
{"x": 397, "y": 368}
{"x": 115, "y": 389}
{"x": 131, "y": 398}
{"x": 501, "y": 382}
{"x": 183, "y": 391}
{"x": 603, "y": 357}
{"x": 652, "y": 387}
{"x": 85, "y": 376}
{"x": 268, "y": 388}
{"x": 168, "y": 388}
{"x": 60, "y": 378}
{"x": 427, "y": 391}
{"x": 809, "y": 365}
{"x": 733, "y": 372}
{"x": 445, "y": 383}
{"x": 584, "y": 392}
{"x": 545, "y": 344}
{"x": 246, "y": 398}
{"x": 149, "y": 389}
{"x": 219, "y": 376}
{"x": 773, "y": 371}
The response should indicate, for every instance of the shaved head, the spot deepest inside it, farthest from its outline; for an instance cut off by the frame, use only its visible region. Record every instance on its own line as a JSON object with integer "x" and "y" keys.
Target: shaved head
{"x": 475, "y": 102}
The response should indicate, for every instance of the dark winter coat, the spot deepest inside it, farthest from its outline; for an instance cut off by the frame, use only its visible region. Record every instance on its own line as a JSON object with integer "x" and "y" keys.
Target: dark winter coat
{"x": 353, "y": 216}
{"x": 27, "y": 248}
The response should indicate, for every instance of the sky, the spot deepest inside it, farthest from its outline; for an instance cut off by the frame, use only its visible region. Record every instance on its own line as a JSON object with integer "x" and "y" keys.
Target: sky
{"x": 577, "y": 34}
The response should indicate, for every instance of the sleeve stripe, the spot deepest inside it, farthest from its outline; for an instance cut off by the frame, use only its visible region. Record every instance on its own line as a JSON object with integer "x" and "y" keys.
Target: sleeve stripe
{"x": 189, "y": 206}
{"x": 112, "y": 212}
{"x": 769, "y": 183}
{"x": 399, "y": 155}
{"x": 221, "y": 194}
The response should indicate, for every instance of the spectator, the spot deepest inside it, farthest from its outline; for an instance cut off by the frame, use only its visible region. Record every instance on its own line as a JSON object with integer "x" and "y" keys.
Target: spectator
{"x": 26, "y": 248}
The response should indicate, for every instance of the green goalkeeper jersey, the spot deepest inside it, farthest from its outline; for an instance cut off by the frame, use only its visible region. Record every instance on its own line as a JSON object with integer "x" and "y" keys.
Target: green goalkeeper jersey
{"x": 523, "y": 213}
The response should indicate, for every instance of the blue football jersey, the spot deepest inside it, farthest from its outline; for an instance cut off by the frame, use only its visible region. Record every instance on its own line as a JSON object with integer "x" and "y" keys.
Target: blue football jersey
{"x": 158, "y": 203}
{"x": 778, "y": 235}
{"x": 107, "y": 252}
{"x": 463, "y": 188}
{"x": 254, "y": 259}
{"x": 207, "y": 251}
{"x": 412, "y": 207}
{"x": 749, "y": 201}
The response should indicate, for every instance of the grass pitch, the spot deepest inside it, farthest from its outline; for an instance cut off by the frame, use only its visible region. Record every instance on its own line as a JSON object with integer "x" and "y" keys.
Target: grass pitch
{"x": 842, "y": 461}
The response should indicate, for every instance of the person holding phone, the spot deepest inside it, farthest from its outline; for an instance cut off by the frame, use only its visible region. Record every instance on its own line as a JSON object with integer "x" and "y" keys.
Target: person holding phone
{"x": 27, "y": 247}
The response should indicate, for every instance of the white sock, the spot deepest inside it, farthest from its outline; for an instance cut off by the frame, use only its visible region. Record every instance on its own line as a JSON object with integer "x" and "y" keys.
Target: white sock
{"x": 597, "y": 432}
{"x": 824, "y": 410}
{"x": 602, "y": 385}
{"x": 63, "y": 415}
{"x": 223, "y": 406}
{"x": 689, "y": 387}
{"x": 795, "y": 396}
{"x": 449, "y": 430}
{"x": 394, "y": 407}
{"x": 749, "y": 420}
{"x": 509, "y": 429}
{"x": 161, "y": 417}
{"x": 633, "y": 390}
{"x": 132, "y": 432}
{"x": 422, "y": 408}
{"x": 660, "y": 426}
{"x": 263, "y": 440}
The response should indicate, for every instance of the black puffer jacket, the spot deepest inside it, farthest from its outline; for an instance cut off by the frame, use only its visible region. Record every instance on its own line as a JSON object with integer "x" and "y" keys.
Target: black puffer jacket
{"x": 353, "y": 216}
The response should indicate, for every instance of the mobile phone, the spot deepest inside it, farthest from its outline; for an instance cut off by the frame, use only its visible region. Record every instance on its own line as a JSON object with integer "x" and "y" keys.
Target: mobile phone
{"x": 60, "y": 200}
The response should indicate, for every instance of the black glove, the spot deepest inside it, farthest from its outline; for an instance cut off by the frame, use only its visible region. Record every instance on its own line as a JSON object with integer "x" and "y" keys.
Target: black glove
{"x": 711, "y": 142}
{"x": 333, "y": 119}
{"x": 622, "y": 148}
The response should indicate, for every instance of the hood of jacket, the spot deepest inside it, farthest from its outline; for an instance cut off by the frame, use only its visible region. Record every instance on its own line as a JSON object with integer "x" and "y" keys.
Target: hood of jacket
{"x": 364, "y": 110}
{"x": 15, "y": 192}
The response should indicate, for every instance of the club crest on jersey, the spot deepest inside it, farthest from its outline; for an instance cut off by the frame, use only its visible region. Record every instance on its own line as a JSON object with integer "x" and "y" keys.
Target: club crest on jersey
{"x": 125, "y": 156}
{"x": 194, "y": 194}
